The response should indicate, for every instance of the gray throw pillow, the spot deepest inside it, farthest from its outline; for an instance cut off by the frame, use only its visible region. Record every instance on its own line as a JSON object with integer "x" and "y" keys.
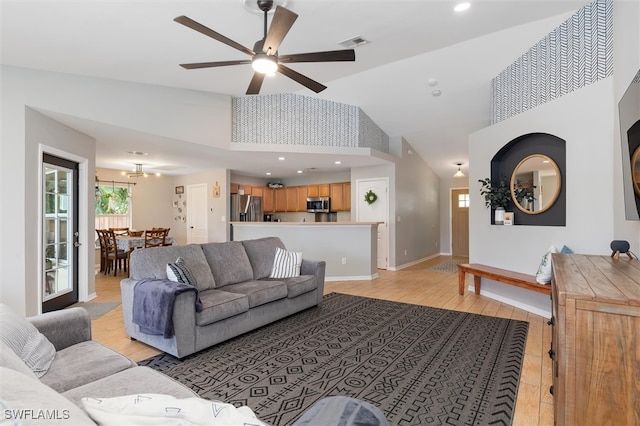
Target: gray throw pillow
{"x": 26, "y": 341}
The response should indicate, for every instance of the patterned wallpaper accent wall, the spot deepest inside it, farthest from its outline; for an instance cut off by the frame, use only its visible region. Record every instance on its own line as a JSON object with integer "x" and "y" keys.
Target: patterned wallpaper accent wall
{"x": 577, "y": 53}
{"x": 291, "y": 119}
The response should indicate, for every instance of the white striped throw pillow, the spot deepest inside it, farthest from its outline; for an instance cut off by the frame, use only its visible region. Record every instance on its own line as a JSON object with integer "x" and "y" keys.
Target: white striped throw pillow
{"x": 286, "y": 264}
{"x": 31, "y": 346}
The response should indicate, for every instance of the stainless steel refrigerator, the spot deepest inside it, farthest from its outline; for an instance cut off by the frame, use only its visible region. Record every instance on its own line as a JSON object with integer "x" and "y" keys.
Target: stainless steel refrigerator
{"x": 246, "y": 208}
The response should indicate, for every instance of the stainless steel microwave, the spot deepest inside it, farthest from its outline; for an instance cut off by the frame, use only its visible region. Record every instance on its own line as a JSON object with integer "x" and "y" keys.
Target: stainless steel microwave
{"x": 319, "y": 205}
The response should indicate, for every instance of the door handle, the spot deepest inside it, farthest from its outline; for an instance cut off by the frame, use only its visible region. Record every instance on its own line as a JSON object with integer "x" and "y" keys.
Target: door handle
{"x": 77, "y": 244}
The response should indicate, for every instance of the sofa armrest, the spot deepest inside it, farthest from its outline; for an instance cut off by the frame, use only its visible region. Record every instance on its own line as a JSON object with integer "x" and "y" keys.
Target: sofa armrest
{"x": 317, "y": 268}
{"x": 64, "y": 328}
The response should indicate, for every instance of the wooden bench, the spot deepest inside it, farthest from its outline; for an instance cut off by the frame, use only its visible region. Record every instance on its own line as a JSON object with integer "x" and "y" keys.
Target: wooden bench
{"x": 501, "y": 275}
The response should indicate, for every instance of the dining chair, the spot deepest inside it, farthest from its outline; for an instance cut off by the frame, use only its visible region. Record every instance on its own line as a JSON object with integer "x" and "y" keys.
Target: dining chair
{"x": 103, "y": 251}
{"x": 155, "y": 237}
{"x": 114, "y": 256}
{"x": 120, "y": 231}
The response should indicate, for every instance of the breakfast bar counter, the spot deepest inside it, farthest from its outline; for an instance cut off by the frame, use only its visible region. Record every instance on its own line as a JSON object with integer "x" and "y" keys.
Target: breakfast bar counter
{"x": 349, "y": 248}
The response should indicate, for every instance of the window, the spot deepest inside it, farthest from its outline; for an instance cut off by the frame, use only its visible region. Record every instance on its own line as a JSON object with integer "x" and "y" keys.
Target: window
{"x": 113, "y": 207}
{"x": 463, "y": 200}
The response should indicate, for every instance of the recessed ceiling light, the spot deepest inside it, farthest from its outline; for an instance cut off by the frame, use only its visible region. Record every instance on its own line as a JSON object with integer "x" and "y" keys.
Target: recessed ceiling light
{"x": 137, "y": 153}
{"x": 299, "y": 171}
{"x": 461, "y": 7}
{"x": 281, "y": 158}
{"x": 338, "y": 162}
{"x": 432, "y": 82}
{"x": 436, "y": 93}
{"x": 268, "y": 173}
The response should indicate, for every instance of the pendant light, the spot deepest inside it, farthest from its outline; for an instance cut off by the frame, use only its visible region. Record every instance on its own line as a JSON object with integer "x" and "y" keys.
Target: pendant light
{"x": 459, "y": 173}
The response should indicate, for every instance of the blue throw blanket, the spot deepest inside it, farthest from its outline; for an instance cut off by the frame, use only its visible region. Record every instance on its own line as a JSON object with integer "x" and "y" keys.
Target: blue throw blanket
{"x": 153, "y": 302}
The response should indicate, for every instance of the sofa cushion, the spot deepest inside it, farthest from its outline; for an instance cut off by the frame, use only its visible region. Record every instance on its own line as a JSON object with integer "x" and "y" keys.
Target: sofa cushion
{"x": 31, "y": 346}
{"x": 218, "y": 305}
{"x": 260, "y": 292}
{"x": 299, "y": 285}
{"x": 130, "y": 382}
{"x": 83, "y": 363}
{"x": 9, "y": 359}
{"x": 228, "y": 262}
{"x": 35, "y": 403}
{"x": 152, "y": 263}
{"x": 261, "y": 253}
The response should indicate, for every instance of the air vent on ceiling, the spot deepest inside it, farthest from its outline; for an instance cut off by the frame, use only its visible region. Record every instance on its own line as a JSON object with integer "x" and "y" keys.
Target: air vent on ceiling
{"x": 354, "y": 42}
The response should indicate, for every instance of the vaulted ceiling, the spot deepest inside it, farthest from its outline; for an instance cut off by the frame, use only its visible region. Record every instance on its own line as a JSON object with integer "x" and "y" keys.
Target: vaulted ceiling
{"x": 414, "y": 47}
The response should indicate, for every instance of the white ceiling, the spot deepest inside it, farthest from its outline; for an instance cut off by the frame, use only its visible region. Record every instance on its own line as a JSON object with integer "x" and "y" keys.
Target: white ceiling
{"x": 410, "y": 42}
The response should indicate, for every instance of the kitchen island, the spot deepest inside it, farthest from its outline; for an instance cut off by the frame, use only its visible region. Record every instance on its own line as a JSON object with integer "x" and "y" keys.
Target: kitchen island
{"x": 349, "y": 248}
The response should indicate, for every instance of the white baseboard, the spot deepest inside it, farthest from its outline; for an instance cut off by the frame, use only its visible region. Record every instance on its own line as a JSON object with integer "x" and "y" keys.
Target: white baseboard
{"x": 515, "y": 303}
{"x": 90, "y": 297}
{"x": 353, "y": 278}
{"x": 415, "y": 262}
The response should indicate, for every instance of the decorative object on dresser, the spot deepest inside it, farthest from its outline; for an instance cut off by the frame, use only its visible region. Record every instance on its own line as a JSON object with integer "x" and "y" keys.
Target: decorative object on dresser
{"x": 595, "y": 340}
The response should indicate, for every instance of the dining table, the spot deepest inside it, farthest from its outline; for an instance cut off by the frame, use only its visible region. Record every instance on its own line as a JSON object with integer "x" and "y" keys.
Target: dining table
{"x": 128, "y": 243}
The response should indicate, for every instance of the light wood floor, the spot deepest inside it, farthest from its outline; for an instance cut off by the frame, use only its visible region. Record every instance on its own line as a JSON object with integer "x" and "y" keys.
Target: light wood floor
{"x": 411, "y": 285}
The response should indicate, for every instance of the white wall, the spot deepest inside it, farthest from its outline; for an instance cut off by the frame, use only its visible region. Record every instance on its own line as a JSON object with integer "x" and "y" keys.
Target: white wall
{"x": 584, "y": 119}
{"x": 217, "y": 208}
{"x": 198, "y": 117}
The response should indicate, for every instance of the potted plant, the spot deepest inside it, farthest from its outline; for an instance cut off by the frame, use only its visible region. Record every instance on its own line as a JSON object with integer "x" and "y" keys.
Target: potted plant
{"x": 496, "y": 197}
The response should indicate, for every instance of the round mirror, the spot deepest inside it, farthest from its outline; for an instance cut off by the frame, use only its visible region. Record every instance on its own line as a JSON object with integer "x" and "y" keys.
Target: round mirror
{"x": 535, "y": 184}
{"x": 635, "y": 170}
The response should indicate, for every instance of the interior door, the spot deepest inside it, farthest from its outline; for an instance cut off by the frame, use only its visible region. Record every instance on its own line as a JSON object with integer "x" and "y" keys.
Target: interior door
{"x": 376, "y": 212}
{"x": 197, "y": 225}
{"x": 59, "y": 232}
{"x": 460, "y": 222}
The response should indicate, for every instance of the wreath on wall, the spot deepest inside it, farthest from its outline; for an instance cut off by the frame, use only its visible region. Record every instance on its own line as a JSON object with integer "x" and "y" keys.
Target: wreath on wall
{"x": 370, "y": 197}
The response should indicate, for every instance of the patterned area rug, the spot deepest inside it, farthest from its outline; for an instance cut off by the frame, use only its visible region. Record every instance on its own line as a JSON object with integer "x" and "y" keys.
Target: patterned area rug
{"x": 449, "y": 266}
{"x": 418, "y": 364}
{"x": 96, "y": 309}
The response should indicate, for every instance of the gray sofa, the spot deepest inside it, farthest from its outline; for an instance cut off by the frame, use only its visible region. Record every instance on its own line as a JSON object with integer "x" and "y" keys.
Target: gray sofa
{"x": 234, "y": 288}
{"x": 80, "y": 368}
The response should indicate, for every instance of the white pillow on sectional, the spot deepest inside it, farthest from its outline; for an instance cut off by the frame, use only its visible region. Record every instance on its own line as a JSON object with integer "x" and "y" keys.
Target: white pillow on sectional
{"x": 543, "y": 276}
{"x": 26, "y": 341}
{"x": 286, "y": 264}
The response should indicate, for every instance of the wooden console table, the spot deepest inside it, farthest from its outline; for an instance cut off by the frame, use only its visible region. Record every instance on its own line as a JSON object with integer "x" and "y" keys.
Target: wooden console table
{"x": 595, "y": 344}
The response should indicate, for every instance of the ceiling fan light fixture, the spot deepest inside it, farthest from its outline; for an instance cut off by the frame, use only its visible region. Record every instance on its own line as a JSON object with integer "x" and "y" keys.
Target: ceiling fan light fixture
{"x": 264, "y": 64}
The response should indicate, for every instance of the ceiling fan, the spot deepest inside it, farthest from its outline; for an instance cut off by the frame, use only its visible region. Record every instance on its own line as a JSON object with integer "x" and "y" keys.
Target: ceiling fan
{"x": 264, "y": 56}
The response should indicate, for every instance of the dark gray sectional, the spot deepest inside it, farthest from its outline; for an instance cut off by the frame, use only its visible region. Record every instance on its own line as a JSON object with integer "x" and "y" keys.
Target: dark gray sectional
{"x": 236, "y": 292}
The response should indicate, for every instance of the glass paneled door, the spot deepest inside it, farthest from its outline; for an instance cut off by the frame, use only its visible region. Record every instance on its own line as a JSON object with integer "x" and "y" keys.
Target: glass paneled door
{"x": 60, "y": 233}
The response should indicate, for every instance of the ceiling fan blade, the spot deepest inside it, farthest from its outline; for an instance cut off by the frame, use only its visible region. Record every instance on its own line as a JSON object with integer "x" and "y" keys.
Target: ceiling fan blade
{"x": 198, "y": 65}
{"x": 302, "y": 79}
{"x": 281, "y": 23}
{"x": 256, "y": 83}
{"x": 188, "y": 22}
{"x": 328, "y": 56}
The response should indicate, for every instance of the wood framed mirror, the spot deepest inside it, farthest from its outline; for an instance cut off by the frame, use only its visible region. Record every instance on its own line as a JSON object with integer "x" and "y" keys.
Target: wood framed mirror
{"x": 535, "y": 184}
{"x": 635, "y": 170}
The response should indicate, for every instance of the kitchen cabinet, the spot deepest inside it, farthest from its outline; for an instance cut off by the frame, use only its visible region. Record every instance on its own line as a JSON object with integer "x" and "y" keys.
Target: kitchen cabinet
{"x": 245, "y": 188}
{"x": 292, "y": 198}
{"x": 347, "y": 196}
{"x": 258, "y": 191}
{"x": 594, "y": 347}
{"x": 337, "y": 197}
{"x": 268, "y": 201}
{"x": 313, "y": 191}
{"x": 280, "y": 196}
{"x": 302, "y": 193}
{"x": 324, "y": 190}
{"x": 233, "y": 188}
